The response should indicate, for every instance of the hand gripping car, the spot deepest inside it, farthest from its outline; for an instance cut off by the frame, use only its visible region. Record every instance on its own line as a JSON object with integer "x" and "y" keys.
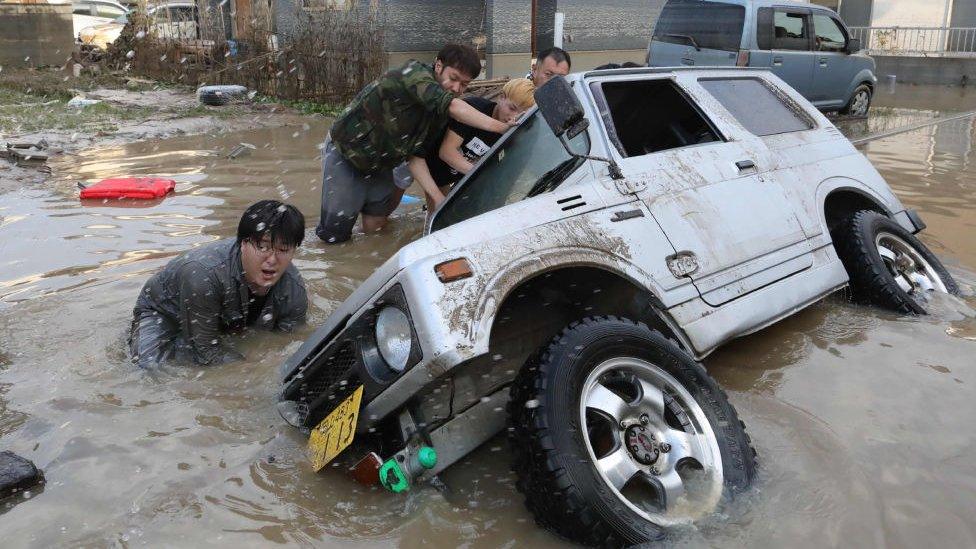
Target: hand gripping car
{"x": 567, "y": 289}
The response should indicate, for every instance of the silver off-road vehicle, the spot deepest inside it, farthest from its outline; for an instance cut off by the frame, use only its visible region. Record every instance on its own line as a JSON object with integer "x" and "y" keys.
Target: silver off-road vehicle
{"x": 566, "y": 290}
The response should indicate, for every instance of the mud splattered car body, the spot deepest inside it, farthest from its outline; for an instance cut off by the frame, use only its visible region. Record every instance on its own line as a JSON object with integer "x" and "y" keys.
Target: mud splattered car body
{"x": 709, "y": 216}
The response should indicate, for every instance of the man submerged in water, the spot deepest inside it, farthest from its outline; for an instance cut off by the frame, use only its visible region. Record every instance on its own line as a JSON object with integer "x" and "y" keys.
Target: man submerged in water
{"x": 222, "y": 287}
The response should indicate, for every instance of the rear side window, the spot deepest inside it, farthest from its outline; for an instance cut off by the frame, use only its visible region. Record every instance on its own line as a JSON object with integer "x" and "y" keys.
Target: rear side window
{"x": 758, "y": 108}
{"x": 790, "y": 31}
{"x": 711, "y": 25}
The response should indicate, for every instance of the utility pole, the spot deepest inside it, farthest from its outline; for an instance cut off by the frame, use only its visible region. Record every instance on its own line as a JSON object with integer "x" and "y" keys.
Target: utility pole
{"x": 534, "y": 29}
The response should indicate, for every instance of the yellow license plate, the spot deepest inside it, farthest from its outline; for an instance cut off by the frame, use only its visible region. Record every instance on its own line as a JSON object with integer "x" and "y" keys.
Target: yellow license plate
{"x": 335, "y": 433}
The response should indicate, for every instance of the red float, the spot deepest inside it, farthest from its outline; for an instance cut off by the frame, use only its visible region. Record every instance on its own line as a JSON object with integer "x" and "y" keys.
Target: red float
{"x": 139, "y": 188}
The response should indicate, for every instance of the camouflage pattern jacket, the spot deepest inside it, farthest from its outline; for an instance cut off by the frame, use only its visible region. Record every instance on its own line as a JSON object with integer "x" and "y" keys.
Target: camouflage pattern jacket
{"x": 396, "y": 116}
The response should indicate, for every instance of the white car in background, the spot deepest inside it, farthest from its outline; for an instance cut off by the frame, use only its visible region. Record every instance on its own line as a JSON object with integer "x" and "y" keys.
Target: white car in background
{"x": 87, "y": 13}
{"x": 173, "y": 21}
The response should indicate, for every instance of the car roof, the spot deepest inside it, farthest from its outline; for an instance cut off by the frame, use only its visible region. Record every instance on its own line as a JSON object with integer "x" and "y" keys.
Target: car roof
{"x": 663, "y": 70}
{"x": 770, "y": 3}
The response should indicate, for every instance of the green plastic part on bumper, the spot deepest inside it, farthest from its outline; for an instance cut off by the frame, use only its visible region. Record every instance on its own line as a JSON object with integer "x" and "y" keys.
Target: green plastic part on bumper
{"x": 427, "y": 457}
{"x": 392, "y": 477}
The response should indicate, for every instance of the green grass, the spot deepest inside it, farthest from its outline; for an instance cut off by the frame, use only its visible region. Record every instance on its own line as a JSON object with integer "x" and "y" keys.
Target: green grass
{"x": 303, "y": 106}
{"x": 22, "y": 113}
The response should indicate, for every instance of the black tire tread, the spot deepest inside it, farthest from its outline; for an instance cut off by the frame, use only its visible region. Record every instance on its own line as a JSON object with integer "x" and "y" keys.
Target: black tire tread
{"x": 550, "y": 495}
{"x": 870, "y": 281}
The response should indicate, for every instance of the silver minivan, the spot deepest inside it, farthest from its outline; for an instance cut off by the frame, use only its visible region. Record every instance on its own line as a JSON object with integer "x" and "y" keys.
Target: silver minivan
{"x": 806, "y": 45}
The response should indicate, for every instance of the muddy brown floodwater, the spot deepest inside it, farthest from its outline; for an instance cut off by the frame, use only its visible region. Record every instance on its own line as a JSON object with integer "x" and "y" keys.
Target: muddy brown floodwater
{"x": 863, "y": 419}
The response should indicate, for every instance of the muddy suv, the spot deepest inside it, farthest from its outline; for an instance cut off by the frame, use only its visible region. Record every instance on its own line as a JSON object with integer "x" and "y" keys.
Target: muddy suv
{"x": 569, "y": 286}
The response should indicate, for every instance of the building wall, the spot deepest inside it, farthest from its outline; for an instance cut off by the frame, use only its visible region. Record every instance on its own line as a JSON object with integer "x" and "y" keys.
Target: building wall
{"x": 856, "y": 13}
{"x": 35, "y": 34}
{"x": 593, "y": 25}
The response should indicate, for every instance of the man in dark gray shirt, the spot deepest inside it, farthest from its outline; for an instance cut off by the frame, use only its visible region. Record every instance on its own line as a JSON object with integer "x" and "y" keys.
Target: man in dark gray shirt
{"x": 222, "y": 287}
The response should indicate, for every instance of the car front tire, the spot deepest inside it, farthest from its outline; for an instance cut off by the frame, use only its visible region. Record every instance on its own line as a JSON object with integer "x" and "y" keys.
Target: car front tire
{"x": 888, "y": 266}
{"x": 860, "y": 101}
{"x": 618, "y": 434}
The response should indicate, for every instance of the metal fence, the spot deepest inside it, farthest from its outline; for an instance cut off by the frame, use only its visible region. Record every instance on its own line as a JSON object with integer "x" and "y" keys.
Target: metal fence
{"x": 918, "y": 41}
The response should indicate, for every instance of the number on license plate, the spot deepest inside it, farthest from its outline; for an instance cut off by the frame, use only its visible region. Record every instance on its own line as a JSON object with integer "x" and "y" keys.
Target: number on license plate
{"x": 334, "y": 433}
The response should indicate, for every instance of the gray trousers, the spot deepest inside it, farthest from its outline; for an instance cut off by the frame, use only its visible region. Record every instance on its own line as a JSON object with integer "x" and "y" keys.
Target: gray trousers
{"x": 153, "y": 339}
{"x": 347, "y": 192}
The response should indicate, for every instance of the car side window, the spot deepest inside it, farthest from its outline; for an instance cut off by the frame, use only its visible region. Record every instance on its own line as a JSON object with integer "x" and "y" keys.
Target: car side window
{"x": 756, "y": 106}
{"x": 108, "y": 10}
{"x": 82, "y": 9}
{"x": 648, "y": 116}
{"x": 790, "y": 31}
{"x": 828, "y": 33}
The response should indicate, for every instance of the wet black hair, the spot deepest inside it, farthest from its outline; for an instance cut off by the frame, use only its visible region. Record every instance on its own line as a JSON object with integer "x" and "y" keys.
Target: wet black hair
{"x": 462, "y": 58}
{"x": 282, "y": 222}
{"x": 558, "y": 55}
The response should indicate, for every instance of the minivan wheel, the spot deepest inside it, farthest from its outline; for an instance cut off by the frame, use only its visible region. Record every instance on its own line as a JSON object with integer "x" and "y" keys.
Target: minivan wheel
{"x": 617, "y": 434}
{"x": 860, "y": 101}
{"x": 888, "y": 266}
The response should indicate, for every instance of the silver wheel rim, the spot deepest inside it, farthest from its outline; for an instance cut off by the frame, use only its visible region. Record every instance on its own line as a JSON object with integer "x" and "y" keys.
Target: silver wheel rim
{"x": 650, "y": 442}
{"x": 913, "y": 274}
{"x": 859, "y": 106}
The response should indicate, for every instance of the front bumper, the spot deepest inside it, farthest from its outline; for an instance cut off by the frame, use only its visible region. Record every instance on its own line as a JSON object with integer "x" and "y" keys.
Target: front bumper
{"x": 332, "y": 371}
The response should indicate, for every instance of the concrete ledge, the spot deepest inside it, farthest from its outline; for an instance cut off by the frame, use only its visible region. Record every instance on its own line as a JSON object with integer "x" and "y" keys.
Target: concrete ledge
{"x": 940, "y": 71}
{"x": 35, "y": 34}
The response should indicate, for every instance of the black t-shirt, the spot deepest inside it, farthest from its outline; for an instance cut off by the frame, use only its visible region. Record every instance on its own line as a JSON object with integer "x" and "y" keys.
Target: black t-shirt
{"x": 255, "y": 307}
{"x": 475, "y": 143}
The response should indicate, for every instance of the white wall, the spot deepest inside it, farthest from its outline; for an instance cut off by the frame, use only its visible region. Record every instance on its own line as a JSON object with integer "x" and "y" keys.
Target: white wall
{"x": 908, "y": 13}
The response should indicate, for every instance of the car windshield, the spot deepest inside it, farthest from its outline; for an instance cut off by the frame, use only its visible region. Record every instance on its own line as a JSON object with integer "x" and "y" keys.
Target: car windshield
{"x": 530, "y": 162}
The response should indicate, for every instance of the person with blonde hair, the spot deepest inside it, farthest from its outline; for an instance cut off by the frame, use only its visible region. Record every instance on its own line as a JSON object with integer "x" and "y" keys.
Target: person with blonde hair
{"x": 463, "y": 145}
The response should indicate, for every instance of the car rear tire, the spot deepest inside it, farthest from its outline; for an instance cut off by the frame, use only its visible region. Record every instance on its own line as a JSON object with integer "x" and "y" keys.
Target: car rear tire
{"x": 888, "y": 266}
{"x": 860, "y": 101}
{"x": 618, "y": 434}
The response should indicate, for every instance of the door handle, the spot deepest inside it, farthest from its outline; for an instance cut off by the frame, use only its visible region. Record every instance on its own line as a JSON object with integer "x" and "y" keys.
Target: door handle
{"x": 687, "y": 61}
{"x": 823, "y": 61}
{"x": 777, "y": 61}
{"x": 744, "y": 165}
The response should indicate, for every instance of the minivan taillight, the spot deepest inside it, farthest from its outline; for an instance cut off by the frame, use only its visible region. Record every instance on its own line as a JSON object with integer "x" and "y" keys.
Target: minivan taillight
{"x": 742, "y": 60}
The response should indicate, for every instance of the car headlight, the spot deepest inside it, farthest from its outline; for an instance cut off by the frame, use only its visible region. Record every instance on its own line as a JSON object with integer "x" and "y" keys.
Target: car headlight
{"x": 393, "y": 337}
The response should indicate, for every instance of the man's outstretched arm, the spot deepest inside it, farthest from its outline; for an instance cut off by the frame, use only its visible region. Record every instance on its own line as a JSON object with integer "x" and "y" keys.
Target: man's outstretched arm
{"x": 464, "y": 113}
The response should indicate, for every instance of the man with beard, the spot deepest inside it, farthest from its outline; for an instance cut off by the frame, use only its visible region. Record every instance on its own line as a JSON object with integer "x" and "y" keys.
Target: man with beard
{"x": 394, "y": 120}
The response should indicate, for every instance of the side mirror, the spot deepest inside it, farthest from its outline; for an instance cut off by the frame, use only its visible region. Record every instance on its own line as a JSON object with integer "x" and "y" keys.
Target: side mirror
{"x": 853, "y": 45}
{"x": 561, "y": 108}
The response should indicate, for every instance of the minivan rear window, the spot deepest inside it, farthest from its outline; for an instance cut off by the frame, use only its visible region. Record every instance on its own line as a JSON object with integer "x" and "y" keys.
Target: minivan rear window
{"x": 756, "y": 107}
{"x": 712, "y": 25}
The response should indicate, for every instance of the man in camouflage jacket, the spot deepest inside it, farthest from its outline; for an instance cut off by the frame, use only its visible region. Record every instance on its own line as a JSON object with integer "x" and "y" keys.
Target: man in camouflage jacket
{"x": 390, "y": 125}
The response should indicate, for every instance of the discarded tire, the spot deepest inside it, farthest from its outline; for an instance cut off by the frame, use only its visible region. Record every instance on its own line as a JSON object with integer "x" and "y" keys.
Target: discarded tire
{"x": 612, "y": 425}
{"x": 220, "y": 95}
{"x": 888, "y": 266}
{"x": 16, "y": 474}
